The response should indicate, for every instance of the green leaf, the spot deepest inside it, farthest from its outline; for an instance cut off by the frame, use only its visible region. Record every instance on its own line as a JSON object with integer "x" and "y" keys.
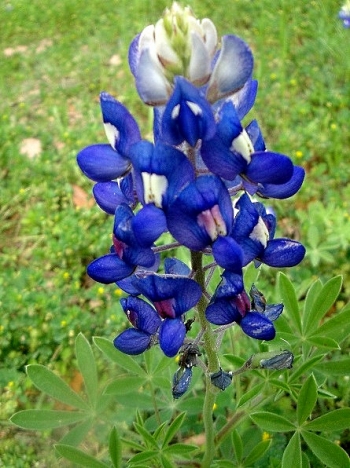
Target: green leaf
{"x": 78, "y": 457}
{"x": 334, "y": 368}
{"x": 307, "y": 399}
{"x": 279, "y": 384}
{"x": 180, "y": 449}
{"x": 289, "y": 300}
{"x": 311, "y": 295}
{"x": 322, "y": 342}
{"x": 173, "y": 429}
{"x": 121, "y": 359}
{"x": 328, "y": 453}
{"x": 292, "y": 454}
{"x": 48, "y": 382}
{"x": 87, "y": 367}
{"x": 322, "y": 303}
{"x": 166, "y": 463}
{"x": 271, "y": 422}
{"x": 337, "y": 327}
{"x": 124, "y": 385}
{"x": 115, "y": 448}
{"x": 147, "y": 437}
{"x": 257, "y": 452}
{"x": 310, "y": 363}
{"x": 238, "y": 445}
{"x": 247, "y": 396}
{"x": 143, "y": 456}
{"x": 78, "y": 433}
{"x": 46, "y": 419}
{"x": 335, "y": 420}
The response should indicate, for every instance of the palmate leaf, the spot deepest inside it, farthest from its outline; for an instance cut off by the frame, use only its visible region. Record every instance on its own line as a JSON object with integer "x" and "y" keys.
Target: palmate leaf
{"x": 78, "y": 457}
{"x": 49, "y": 383}
{"x": 330, "y": 454}
{"x": 173, "y": 429}
{"x": 87, "y": 367}
{"x": 39, "y": 420}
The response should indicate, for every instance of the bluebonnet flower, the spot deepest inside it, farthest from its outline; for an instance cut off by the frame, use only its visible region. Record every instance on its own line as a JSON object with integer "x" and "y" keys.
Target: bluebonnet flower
{"x": 254, "y": 231}
{"x": 146, "y": 322}
{"x": 104, "y": 163}
{"x": 221, "y": 379}
{"x": 181, "y": 381}
{"x": 344, "y": 14}
{"x": 171, "y": 297}
{"x": 230, "y": 303}
{"x": 127, "y": 252}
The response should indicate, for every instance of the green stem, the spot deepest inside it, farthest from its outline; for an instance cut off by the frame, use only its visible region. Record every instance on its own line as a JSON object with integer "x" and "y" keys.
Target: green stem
{"x": 212, "y": 360}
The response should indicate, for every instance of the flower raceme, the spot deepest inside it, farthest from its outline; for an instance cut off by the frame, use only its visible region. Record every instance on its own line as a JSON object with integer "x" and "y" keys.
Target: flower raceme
{"x": 195, "y": 186}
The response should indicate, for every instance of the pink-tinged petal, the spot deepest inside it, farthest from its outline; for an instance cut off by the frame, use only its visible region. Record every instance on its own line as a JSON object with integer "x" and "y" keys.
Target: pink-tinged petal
{"x": 232, "y": 69}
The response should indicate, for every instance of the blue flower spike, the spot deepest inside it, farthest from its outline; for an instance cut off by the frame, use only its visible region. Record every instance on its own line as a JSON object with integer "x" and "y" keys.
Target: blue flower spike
{"x": 191, "y": 192}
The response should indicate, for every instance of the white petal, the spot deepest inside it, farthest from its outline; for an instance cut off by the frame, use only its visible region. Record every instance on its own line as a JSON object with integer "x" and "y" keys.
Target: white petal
{"x": 210, "y": 36}
{"x": 112, "y": 134}
{"x": 199, "y": 67}
{"x": 243, "y": 145}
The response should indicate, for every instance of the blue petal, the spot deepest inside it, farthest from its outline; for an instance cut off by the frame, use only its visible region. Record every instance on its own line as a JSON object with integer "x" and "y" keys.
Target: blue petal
{"x": 120, "y": 125}
{"x": 230, "y": 285}
{"x": 232, "y": 69}
{"x": 102, "y": 163}
{"x": 222, "y": 312}
{"x": 109, "y": 269}
{"x": 132, "y": 341}
{"x": 141, "y": 314}
{"x": 283, "y": 253}
{"x": 269, "y": 168}
{"x": 244, "y": 99}
{"x": 172, "y": 333}
{"x": 173, "y": 266}
{"x": 108, "y": 196}
{"x": 187, "y": 116}
{"x": 221, "y": 379}
{"x": 228, "y": 254}
{"x": 148, "y": 224}
{"x": 255, "y": 136}
{"x": 286, "y": 190}
{"x": 258, "y": 326}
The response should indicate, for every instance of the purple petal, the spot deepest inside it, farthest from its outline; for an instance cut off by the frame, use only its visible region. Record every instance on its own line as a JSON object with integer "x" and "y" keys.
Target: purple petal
{"x": 109, "y": 269}
{"x": 173, "y": 266}
{"x": 132, "y": 341}
{"x": 269, "y": 168}
{"x": 232, "y": 69}
{"x": 258, "y": 326}
{"x": 171, "y": 336}
{"x": 108, "y": 196}
{"x": 181, "y": 381}
{"x": 281, "y": 253}
{"x": 102, "y": 163}
{"x": 255, "y": 135}
{"x": 273, "y": 311}
{"x": 244, "y": 99}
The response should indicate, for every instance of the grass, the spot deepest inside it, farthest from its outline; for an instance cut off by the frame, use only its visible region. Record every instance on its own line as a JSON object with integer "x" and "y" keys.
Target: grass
{"x": 56, "y": 58}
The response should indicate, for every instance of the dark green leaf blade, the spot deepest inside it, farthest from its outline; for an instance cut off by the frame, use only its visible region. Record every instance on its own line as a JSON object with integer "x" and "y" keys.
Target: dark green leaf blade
{"x": 336, "y": 420}
{"x": 115, "y": 448}
{"x": 121, "y": 359}
{"x": 292, "y": 453}
{"x": 307, "y": 399}
{"x": 289, "y": 300}
{"x": 173, "y": 429}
